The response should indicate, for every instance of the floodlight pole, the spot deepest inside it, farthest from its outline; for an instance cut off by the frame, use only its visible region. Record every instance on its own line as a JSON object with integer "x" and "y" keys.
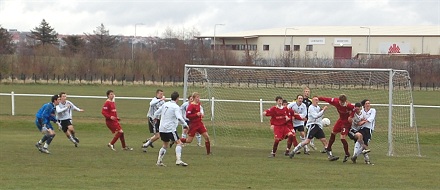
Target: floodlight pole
{"x": 368, "y": 41}
{"x": 132, "y": 41}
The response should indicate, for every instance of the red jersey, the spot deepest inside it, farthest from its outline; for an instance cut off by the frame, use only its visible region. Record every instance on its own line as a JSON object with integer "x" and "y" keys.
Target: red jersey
{"x": 344, "y": 111}
{"x": 109, "y": 109}
{"x": 278, "y": 116}
{"x": 191, "y": 113}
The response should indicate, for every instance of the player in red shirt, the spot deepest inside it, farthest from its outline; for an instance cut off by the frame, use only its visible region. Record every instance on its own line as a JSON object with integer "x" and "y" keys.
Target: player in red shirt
{"x": 195, "y": 115}
{"x": 279, "y": 117}
{"x": 292, "y": 115}
{"x": 112, "y": 121}
{"x": 343, "y": 125}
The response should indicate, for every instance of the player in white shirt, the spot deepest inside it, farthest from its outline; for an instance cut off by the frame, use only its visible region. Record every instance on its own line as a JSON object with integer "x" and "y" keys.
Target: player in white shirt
{"x": 153, "y": 125}
{"x": 170, "y": 115}
{"x": 64, "y": 116}
{"x": 298, "y": 125}
{"x": 357, "y": 130}
{"x": 314, "y": 123}
{"x": 369, "y": 124}
{"x": 184, "y": 107}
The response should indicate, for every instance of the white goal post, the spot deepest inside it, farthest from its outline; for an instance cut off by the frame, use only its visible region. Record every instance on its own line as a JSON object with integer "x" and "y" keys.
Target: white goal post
{"x": 237, "y": 95}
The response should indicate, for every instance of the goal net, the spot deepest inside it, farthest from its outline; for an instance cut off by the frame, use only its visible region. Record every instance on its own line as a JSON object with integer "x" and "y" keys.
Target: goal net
{"x": 234, "y": 98}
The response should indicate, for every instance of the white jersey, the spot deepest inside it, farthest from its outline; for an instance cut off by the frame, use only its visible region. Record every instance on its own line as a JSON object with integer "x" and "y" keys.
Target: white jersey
{"x": 370, "y": 115}
{"x": 170, "y": 115}
{"x": 356, "y": 119}
{"x": 315, "y": 115}
{"x": 301, "y": 110}
{"x": 155, "y": 104}
{"x": 63, "y": 112}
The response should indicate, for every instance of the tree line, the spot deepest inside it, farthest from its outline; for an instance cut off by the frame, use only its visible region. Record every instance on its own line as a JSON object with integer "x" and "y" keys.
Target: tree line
{"x": 102, "y": 55}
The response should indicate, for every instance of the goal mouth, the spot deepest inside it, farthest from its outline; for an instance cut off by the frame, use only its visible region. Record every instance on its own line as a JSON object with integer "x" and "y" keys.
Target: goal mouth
{"x": 234, "y": 98}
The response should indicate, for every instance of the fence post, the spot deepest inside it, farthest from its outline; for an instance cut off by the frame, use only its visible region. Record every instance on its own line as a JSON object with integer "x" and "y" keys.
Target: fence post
{"x": 12, "y": 103}
{"x": 261, "y": 110}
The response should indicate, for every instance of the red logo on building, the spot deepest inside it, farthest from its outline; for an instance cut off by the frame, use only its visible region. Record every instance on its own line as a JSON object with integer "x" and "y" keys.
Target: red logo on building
{"x": 394, "y": 49}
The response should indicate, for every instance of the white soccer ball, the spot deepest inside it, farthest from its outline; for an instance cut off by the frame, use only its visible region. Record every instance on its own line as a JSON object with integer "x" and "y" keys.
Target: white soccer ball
{"x": 325, "y": 122}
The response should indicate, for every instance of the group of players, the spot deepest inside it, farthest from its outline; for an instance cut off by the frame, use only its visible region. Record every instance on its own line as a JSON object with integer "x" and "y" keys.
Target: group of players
{"x": 355, "y": 121}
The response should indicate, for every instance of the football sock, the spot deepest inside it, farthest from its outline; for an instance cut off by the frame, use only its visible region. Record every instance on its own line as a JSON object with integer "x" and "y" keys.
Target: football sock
{"x": 122, "y": 140}
{"x": 295, "y": 142}
{"x": 178, "y": 152}
{"x": 208, "y": 147}
{"x": 115, "y": 138}
{"x": 199, "y": 138}
{"x": 45, "y": 145}
{"x": 71, "y": 139}
{"x": 344, "y": 142}
{"x": 49, "y": 140}
{"x": 183, "y": 135}
{"x": 331, "y": 141}
{"x": 275, "y": 146}
{"x": 162, "y": 152}
{"x": 44, "y": 139}
{"x": 289, "y": 141}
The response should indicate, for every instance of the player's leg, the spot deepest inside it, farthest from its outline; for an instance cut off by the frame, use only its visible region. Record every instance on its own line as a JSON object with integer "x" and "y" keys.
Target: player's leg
{"x": 115, "y": 131}
{"x": 165, "y": 143}
{"x": 291, "y": 140}
{"x": 67, "y": 128}
{"x": 39, "y": 125}
{"x": 303, "y": 138}
{"x": 337, "y": 128}
{"x": 278, "y": 132}
{"x": 344, "y": 133}
{"x": 155, "y": 137}
{"x": 51, "y": 135}
{"x": 191, "y": 134}
{"x": 310, "y": 134}
{"x": 202, "y": 130}
{"x": 175, "y": 138}
{"x": 199, "y": 139}
{"x": 122, "y": 138}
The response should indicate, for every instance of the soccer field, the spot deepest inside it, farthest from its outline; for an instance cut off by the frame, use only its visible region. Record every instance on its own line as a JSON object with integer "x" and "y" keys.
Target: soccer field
{"x": 93, "y": 166}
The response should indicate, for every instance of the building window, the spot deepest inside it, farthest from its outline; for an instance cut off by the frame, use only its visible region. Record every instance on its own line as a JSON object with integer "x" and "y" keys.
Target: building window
{"x": 286, "y": 47}
{"x": 265, "y": 47}
{"x": 295, "y": 47}
{"x": 309, "y": 48}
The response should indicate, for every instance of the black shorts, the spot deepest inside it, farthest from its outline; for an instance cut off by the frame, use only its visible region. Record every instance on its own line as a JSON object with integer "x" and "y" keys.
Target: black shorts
{"x": 167, "y": 137}
{"x": 65, "y": 124}
{"x": 299, "y": 128}
{"x": 366, "y": 135}
{"x": 153, "y": 129}
{"x": 315, "y": 131}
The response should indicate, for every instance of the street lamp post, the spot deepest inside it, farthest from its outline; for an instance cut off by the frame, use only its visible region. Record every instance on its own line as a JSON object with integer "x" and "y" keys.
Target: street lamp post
{"x": 132, "y": 41}
{"x": 215, "y": 27}
{"x": 368, "y": 41}
{"x": 285, "y": 36}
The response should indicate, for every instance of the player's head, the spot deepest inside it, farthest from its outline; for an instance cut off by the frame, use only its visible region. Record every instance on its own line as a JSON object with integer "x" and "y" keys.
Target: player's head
{"x": 196, "y": 97}
{"x": 63, "y": 96}
{"x": 175, "y": 96}
{"x": 55, "y": 99}
{"x": 299, "y": 98}
{"x": 110, "y": 94}
{"x": 190, "y": 98}
{"x": 279, "y": 100}
{"x": 315, "y": 100}
{"x": 366, "y": 103}
{"x": 285, "y": 103}
{"x": 358, "y": 107}
{"x": 342, "y": 100}
{"x": 159, "y": 93}
{"x": 306, "y": 92}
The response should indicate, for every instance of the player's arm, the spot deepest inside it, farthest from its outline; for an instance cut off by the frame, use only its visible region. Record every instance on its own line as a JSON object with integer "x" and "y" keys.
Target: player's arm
{"x": 154, "y": 101}
{"x": 268, "y": 112}
{"x": 331, "y": 101}
{"x": 179, "y": 117}
{"x": 106, "y": 110}
{"x": 47, "y": 114}
{"x": 350, "y": 117}
{"x": 59, "y": 109}
{"x": 190, "y": 112}
{"x": 75, "y": 107}
{"x": 158, "y": 112}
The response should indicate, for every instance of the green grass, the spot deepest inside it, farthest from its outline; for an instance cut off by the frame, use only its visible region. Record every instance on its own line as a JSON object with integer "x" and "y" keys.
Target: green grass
{"x": 244, "y": 166}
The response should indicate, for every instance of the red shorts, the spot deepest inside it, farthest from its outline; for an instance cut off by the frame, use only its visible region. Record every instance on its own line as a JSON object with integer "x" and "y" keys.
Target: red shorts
{"x": 113, "y": 126}
{"x": 196, "y": 128}
{"x": 341, "y": 126}
{"x": 280, "y": 131}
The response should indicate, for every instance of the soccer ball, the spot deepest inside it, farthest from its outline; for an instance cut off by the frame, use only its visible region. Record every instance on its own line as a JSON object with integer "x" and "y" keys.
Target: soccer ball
{"x": 325, "y": 122}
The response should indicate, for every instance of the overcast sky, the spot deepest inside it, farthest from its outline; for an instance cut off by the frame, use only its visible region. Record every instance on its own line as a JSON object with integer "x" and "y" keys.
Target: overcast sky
{"x": 120, "y": 16}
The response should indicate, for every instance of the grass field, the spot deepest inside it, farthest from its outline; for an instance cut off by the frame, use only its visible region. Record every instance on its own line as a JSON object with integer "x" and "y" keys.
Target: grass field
{"x": 94, "y": 166}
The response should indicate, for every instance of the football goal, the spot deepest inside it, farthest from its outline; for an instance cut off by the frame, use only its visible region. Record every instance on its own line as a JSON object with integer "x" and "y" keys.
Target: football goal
{"x": 234, "y": 98}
